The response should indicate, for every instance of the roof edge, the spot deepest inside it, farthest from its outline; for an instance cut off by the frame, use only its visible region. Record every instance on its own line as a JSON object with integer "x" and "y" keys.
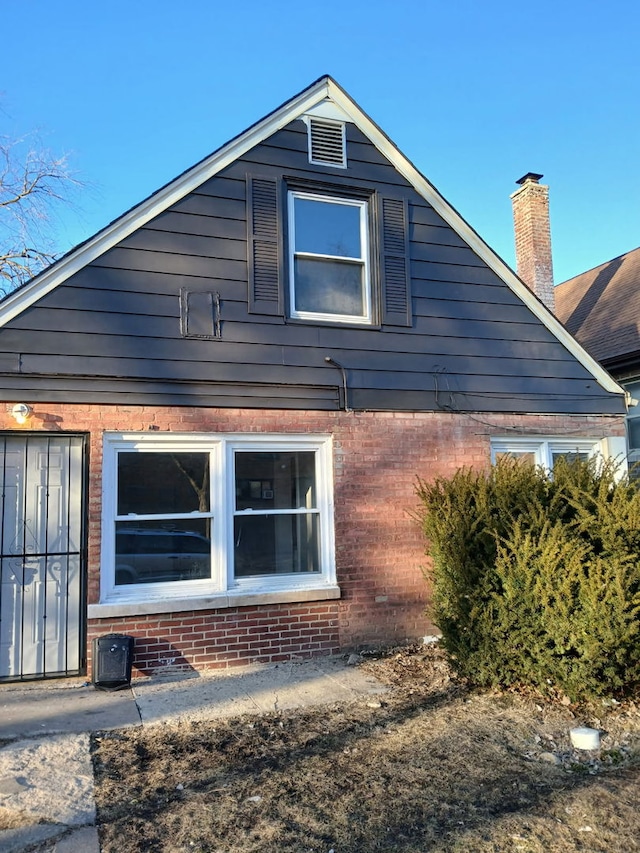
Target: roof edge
{"x": 176, "y": 189}
{"x": 448, "y": 212}
{"x": 598, "y": 266}
{"x": 324, "y": 87}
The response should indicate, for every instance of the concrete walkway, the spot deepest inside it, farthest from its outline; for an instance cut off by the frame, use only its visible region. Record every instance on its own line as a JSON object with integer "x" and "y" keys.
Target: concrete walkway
{"x": 46, "y": 775}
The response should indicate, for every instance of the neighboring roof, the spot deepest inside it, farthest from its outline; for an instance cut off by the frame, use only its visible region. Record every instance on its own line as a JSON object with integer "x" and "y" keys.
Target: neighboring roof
{"x": 324, "y": 97}
{"x": 601, "y": 308}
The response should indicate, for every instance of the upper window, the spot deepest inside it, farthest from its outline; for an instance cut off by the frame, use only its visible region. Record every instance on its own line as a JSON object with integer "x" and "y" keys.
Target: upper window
{"x": 335, "y": 272}
{"x": 329, "y": 258}
{"x": 201, "y": 515}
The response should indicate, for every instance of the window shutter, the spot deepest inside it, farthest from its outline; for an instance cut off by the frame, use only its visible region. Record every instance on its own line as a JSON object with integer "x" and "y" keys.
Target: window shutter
{"x": 264, "y": 255}
{"x": 394, "y": 262}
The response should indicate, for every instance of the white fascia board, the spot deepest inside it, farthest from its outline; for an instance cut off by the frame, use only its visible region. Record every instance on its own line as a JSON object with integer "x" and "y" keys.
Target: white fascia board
{"x": 157, "y": 203}
{"x": 471, "y": 237}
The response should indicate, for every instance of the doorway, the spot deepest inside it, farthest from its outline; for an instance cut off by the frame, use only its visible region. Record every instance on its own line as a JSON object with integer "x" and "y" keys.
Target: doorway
{"x": 42, "y": 555}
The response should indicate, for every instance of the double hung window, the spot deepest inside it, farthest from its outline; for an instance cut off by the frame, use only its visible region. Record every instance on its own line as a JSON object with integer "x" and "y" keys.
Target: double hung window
{"x": 187, "y": 515}
{"x": 163, "y": 518}
{"x": 329, "y": 258}
{"x": 276, "y": 517}
{"x": 544, "y": 452}
{"x": 633, "y": 421}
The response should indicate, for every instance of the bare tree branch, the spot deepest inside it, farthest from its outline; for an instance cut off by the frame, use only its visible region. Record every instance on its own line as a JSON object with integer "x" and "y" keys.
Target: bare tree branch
{"x": 34, "y": 183}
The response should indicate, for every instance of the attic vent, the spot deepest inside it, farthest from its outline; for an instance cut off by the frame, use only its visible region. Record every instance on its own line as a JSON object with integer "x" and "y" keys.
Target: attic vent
{"x": 327, "y": 142}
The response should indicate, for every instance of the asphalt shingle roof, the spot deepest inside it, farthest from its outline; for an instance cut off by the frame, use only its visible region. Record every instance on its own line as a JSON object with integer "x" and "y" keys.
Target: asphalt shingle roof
{"x": 601, "y": 308}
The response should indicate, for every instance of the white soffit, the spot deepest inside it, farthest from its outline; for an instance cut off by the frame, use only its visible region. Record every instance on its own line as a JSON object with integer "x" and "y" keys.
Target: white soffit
{"x": 328, "y": 109}
{"x": 326, "y": 99}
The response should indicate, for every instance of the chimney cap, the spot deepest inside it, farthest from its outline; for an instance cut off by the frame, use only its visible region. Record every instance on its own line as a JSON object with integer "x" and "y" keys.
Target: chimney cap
{"x": 530, "y": 176}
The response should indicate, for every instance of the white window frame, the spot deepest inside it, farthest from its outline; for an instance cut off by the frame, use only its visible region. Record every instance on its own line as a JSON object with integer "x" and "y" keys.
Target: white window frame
{"x": 322, "y": 509}
{"x": 364, "y": 259}
{"x": 633, "y": 414}
{"x": 222, "y": 588}
{"x": 544, "y": 449}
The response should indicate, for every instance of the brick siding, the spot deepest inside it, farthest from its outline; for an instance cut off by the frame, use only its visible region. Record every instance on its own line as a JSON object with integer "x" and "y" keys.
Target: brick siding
{"x": 532, "y": 228}
{"x": 213, "y": 639}
{"x": 379, "y": 547}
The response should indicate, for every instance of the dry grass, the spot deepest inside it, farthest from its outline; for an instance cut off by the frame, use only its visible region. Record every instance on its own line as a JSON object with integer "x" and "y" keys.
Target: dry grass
{"x": 12, "y": 819}
{"x": 434, "y": 768}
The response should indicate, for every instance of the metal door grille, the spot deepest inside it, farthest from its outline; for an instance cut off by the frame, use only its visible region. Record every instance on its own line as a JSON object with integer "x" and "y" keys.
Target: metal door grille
{"x": 42, "y": 555}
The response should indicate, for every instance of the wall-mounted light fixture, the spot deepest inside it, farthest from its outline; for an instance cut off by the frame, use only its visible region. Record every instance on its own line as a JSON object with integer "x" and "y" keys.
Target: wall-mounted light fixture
{"x": 21, "y": 412}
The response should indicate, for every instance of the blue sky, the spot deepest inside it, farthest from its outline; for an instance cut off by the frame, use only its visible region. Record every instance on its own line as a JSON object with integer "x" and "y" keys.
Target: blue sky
{"x": 474, "y": 93}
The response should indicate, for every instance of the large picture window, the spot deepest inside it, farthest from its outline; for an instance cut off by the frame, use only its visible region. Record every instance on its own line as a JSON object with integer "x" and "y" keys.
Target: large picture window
{"x": 210, "y": 515}
{"x": 329, "y": 258}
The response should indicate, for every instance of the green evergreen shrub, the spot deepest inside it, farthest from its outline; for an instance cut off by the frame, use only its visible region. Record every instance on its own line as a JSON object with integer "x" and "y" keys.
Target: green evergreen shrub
{"x": 536, "y": 580}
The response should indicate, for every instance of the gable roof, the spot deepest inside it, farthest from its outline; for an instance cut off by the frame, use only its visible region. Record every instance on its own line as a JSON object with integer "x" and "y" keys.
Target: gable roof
{"x": 601, "y": 308}
{"x": 325, "y": 98}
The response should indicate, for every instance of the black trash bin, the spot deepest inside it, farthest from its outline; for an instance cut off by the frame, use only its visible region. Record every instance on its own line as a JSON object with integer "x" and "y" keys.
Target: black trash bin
{"x": 112, "y": 659}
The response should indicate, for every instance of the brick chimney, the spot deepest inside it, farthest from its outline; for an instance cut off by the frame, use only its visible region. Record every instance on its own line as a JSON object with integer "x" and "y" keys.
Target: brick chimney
{"x": 534, "y": 264}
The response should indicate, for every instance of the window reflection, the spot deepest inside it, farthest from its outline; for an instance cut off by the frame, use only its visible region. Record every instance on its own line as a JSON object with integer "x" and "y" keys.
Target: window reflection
{"x": 276, "y": 524}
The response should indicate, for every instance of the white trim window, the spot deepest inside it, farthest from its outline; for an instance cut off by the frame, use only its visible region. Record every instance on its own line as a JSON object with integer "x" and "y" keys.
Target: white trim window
{"x": 546, "y": 451}
{"x": 209, "y": 515}
{"x": 633, "y": 422}
{"x": 329, "y": 259}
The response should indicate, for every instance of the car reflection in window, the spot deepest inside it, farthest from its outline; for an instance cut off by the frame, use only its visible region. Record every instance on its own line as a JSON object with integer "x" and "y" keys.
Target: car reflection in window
{"x": 161, "y": 555}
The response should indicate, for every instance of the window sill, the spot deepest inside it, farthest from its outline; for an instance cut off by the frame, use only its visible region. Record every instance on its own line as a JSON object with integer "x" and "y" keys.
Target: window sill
{"x": 210, "y": 602}
{"x": 333, "y": 324}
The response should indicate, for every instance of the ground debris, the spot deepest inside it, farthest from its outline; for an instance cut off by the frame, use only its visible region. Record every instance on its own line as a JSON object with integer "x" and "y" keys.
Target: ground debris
{"x": 435, "y": 766}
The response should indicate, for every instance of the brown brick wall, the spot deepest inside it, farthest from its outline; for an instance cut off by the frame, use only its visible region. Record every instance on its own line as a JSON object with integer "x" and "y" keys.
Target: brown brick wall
{"x": 379, "y": 548}
{"x": 212, "y": 639}
{"x": 534, "y": 262}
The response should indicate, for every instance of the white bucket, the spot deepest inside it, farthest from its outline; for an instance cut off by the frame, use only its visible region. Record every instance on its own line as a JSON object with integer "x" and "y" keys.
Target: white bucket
{"x": 585, "y": 738}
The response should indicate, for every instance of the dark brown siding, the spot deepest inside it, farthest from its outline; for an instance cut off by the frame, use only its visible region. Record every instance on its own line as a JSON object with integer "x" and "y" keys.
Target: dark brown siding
{"x": 112, "y": 332}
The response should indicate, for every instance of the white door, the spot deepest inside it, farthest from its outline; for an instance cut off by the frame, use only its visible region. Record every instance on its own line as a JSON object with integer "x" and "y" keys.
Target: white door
{"x": 41, "y": 550}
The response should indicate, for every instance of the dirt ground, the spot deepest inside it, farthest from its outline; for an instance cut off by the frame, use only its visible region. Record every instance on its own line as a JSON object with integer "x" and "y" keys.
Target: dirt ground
{"x": 431, "y": 767}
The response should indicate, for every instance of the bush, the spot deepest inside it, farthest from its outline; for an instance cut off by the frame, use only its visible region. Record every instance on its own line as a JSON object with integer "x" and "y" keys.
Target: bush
{"x": 536, "y": 581}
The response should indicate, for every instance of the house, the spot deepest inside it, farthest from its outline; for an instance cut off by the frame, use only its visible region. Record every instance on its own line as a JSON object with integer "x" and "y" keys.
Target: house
{"x": 601, "y": 308}
{"x": 216, "y": 408}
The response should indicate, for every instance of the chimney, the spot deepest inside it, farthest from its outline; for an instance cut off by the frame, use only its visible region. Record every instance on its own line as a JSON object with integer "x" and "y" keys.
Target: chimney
{"x": 534, "y": 264}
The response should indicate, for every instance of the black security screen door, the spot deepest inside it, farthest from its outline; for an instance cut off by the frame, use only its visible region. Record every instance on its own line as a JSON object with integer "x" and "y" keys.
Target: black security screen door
{"x": 42, "y": 555}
